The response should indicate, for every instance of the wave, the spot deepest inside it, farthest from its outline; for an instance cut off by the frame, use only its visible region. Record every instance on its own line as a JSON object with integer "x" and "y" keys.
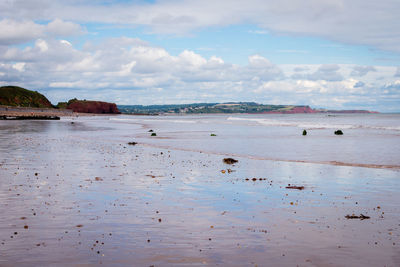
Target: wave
{"x": 311, "y": 125}
{"x": 265, "y": 122}
{"x": 154, "y": 120}
{"x": 122, "y": 119}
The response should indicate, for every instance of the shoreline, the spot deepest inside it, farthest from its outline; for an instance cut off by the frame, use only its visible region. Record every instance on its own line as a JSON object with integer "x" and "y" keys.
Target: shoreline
{"x": 331, "y": 163}
{"x": 13, "y": 111}
{"x": 16, "y": 113}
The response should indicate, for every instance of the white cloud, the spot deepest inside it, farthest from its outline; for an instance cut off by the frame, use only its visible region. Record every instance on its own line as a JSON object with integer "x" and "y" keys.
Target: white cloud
{"x": 58, "y": 27}
{"x": 327, "y": 72}
{"x": 362, "y": 70}
{"x": 42, "y": 45}
{"x": 366, "y": 22}
{"x": 20, "y": 31}
{"x": 65, "y": 42}
{"x": 192, "y": 59}
{"x": 130, "y": 71}
{"x": 12, "y": 32}
{"x": 126, "y": 69}
{"x": 63, "y": 84}
{"x": 397, "y": 74}
{"x": 257, "y": 61}
{"x": 19, "y": 66}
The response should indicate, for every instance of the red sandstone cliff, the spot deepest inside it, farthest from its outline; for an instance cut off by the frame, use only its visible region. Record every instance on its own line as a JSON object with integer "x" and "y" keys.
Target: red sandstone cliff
{"x": 294, "y": 110}
{"x": 97, "y": 107}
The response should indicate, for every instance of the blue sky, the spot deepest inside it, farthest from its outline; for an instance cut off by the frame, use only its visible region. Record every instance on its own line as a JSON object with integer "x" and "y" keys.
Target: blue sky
{"x": 327, "y": 54}
{"x": 234, "y": 43}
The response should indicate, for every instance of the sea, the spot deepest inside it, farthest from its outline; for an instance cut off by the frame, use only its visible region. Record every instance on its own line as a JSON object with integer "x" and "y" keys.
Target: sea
{"x": 368, "y": 139}
{"x": 125, "y": 190}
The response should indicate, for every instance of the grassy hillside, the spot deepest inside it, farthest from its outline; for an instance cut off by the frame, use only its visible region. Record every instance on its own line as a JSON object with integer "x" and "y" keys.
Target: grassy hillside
{"x": 230, "y": 107}
{"x": 18, "y": 96}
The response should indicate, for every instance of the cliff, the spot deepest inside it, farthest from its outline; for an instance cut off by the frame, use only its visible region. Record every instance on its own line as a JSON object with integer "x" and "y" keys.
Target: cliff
{"x": 97, "y": 107}
{"x": 21, "y": 97}
{"x": 294, "y": 110}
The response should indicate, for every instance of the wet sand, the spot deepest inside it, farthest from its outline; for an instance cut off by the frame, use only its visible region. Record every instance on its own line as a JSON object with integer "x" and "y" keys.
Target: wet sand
{"x": 10, "y": 111}
{"x": 79, "y": 195}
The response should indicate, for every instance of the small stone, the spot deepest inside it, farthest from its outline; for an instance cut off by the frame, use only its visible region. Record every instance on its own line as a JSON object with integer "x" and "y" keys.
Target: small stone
{"x": 230, "y": 160}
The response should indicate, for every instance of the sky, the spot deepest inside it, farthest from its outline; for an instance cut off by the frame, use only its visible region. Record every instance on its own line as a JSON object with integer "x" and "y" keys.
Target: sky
{"x": 334, "y": 54}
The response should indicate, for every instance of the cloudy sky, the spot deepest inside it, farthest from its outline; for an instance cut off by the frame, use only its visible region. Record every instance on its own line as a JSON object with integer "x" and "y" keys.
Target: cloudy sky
{"x": 338, "y": 54}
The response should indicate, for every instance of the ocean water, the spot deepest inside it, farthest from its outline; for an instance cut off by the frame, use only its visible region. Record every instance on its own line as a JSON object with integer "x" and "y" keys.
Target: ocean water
{"x": 75, "y": 193}
{"x": 369, "y": 139}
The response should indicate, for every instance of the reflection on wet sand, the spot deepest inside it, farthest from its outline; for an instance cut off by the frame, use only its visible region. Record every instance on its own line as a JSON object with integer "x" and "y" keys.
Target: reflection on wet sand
{"x": 76, "y": 197}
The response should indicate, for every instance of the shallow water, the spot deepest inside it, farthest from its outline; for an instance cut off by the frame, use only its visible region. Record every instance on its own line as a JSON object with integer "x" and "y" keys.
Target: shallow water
{"x": 165, "y": 201}
{"x": 369, "y": 139}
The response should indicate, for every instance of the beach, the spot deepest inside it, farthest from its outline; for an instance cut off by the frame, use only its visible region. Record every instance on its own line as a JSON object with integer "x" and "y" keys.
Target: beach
{"x": 74, "y": 192}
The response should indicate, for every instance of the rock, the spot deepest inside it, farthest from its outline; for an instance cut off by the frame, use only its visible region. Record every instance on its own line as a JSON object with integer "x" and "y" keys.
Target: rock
{"x": 304, "y": 132}
{"x": 97, "y": 107}
{"x": 27, "y": 117}
{"x": 153, "y": 134}
{"x": 294, "y": 187}
{"x": 230, "y": 160}
{"x": 361, "y": 217}
{"x": 132, "y": 143}
{"x": 338, "y": 132}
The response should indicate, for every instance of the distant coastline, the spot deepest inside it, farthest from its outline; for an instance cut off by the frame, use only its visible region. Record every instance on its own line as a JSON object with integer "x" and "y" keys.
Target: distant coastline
{"x": 20, "y": 102}
{"x": 227, "y": 108}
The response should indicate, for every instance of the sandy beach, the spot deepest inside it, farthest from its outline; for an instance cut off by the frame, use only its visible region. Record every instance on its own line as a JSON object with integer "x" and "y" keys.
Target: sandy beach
{"x": 9, "y": 111}
{"x": 75, "y": 193}
{"x": 23, "y": 111}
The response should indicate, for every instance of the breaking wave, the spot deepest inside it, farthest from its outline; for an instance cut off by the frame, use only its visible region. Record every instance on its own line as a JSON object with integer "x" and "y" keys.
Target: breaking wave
{"x": 311, "y": 125}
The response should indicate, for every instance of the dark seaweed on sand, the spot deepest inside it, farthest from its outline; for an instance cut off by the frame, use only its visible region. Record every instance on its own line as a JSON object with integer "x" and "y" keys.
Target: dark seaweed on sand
{"x": 230, "y": 160}
{"x": 361, "y": 217}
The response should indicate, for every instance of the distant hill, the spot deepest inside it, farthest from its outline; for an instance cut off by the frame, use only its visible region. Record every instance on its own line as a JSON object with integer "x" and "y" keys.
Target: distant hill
{"x": 21, "y": 97}
{"x": 18, "y": 96}
{"x": 88, "y": 106}
{"x": 230, "y": 107}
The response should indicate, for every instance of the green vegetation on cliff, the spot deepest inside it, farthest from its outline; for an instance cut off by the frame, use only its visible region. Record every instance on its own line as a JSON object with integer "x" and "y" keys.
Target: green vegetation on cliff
{"x": 231, "y": 107}
{"x": 18, "y": 96}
